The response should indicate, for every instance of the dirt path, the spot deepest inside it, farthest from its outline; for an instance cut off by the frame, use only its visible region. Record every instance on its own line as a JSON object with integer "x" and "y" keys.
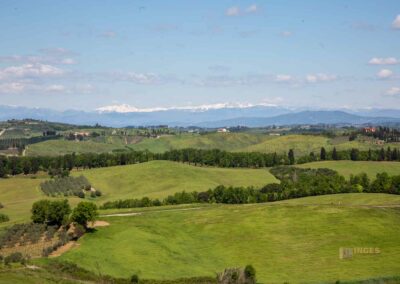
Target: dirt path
{"x": 2, "y": 132}
{"x": 63, "y": 249}
{"x": 155, "y": 211}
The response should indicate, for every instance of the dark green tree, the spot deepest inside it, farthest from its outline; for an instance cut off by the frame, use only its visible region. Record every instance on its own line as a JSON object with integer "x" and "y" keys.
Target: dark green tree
{"x": 84, "y": 212}
{"x": 334, "y": 154}
{"x": 323, "y": 154}
{"x": 291, "y": 157}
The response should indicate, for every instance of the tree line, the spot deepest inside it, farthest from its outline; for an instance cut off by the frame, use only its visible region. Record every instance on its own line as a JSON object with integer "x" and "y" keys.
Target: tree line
{"x": 294, "y": 183}
{"x": 217, "y": 158}
{"x": 21, "y": 143}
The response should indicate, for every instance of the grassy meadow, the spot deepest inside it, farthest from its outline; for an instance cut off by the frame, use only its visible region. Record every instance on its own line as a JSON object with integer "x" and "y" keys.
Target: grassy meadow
{"x": 158, "y": 179}
{"x": 346, "y": 168}
{"x": 234, "y": 142}
{"x": 283, "y": 241}
{"x": 155, "y": 179}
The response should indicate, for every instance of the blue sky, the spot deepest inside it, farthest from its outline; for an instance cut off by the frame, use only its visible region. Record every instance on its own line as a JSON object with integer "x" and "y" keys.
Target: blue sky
{"x": 152, "y": 54}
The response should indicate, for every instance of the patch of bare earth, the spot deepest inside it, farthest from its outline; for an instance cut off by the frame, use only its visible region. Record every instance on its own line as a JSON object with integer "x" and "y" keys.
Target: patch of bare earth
{"x": 98, "y": 224}
{"x": 64, "y": 249}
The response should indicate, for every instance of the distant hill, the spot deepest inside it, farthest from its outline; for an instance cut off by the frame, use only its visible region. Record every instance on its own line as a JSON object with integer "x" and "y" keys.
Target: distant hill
{"x": 254, "y": 116}
{"x": 303, "y": 117}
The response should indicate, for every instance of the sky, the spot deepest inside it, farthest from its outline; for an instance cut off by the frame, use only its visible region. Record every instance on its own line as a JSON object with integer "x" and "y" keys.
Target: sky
{"x": 144, "y": 54}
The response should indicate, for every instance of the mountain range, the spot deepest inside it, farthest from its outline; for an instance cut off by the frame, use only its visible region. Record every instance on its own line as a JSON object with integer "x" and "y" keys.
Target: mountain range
{"x": 251, "y": 116}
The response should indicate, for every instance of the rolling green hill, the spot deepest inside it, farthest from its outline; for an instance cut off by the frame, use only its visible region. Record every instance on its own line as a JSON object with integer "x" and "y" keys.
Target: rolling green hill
{"x": 154, "y": 179}
{"x": 161, "y": 178}
{"x": 235, "y": 142}
{"x": 280, "y": 240}
{"x": 346, "y": 168}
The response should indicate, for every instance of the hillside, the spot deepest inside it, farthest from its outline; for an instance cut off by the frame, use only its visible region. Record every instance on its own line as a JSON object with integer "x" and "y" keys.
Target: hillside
{"x": 346, "y": 168}
{"x": 273, "y": 237}
{"x": 154, "y": 179}
{"x": 235, "y": 142}
{"x": 160, "y": 178}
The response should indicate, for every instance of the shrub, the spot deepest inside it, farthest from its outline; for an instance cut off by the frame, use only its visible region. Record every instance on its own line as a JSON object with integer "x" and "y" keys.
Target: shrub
{"x": 134, "y": 279}
{"x": 4, "y": 218}
{"x": 13, "y": 258}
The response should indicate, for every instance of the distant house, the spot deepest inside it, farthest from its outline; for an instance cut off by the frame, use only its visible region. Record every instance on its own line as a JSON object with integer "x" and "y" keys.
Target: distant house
{"x": 369, "y": 129}
{"x": 222, "y": 130}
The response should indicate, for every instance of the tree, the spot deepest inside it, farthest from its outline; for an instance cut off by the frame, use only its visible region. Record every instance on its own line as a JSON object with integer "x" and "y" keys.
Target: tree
{"x": 250, "y": 273}
{"x": 323, "y": 154}
{"x": 334, "y": 154}
{"x": 50, "y": 212}
{"x": 382, "y": 155}
{"x": 291, "y": 157}
{"x": 354, "y": 154}
{"x": 83, "y": 213}
{"x": 58, "y": 212}
{"x": 39, "y": 211}
{"x": 2, "y": 168}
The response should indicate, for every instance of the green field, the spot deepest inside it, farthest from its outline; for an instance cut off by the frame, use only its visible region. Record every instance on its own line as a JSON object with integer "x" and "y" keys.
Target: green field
{"x": 17, "y": 194}
{"x": 285, "y": 242}
{"x": 235, "y": 142}
{"x": 161, "y": 178}
{"x": 346, "y": 168}
{"x": 154, "y": 179}
{"x": 62, "y": 147}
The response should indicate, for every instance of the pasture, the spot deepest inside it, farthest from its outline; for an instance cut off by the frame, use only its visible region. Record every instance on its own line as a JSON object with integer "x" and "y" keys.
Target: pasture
{"x": 158, "y": 179}
{"x": 233, "y": 142}
{"x": 281, "y": 240}
{"x": 346, "y": 168}
{"x": 155, "y": 179}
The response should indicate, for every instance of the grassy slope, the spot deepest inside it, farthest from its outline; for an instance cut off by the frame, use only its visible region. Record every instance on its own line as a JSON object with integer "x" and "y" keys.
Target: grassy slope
{"x": 284, "y": 243}
{"x": 155, "y": 179}
{"x": 349, "y": 167}
{"x": 62, "y": 147}
{"x": 160, "y": 178}
{"x": 243, "y": 142}
{"x": 17, "y": 194}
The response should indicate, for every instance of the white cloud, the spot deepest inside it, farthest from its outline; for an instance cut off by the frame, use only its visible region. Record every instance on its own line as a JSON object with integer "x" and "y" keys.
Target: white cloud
{"x": 233, "y": 11}
{"x": 384, "y": 61}
{"x": 142, "y": 78}
{"x": 68, "y": 61}
{"x": 394, "y": 91}
{"x": 283, "y": 78}
{"x": 12, "y": 87}
{"x": 320, "y": 77}
{"x": 252, "y": 9}
{"x": 384, "y": 74}
{"x": 30, "y": 70}
{"x": 55, "y": 88}
{"x": 396, "y": 22}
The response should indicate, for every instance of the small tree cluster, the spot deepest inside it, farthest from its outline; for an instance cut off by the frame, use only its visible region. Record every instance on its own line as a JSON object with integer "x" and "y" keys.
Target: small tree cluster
{"x": 66, "y": 186}
{"x": 50, "y": 212}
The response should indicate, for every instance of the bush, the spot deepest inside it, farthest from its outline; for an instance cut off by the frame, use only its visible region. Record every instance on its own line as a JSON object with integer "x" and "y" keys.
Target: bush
{"x": 4, "y": 218}
{"x": 250, "y": 272}
{"x": 134, "y": 279}
{"x": 13, "y": 258}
